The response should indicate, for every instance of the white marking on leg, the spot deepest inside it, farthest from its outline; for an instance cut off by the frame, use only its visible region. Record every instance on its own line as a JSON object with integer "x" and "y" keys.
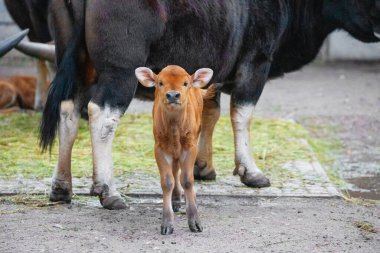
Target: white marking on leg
{"x": 168, "y": 159}
{"x": 241, "y": 119}
{"x": 103, "y": 124}
{"x": 67, "y": 132}
{"x": 183, "y": 155}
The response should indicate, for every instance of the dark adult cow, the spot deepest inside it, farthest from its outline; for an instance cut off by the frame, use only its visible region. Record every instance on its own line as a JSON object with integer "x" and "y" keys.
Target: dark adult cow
{"x": 33, "y": 15}
{"x": 244, "y": 42}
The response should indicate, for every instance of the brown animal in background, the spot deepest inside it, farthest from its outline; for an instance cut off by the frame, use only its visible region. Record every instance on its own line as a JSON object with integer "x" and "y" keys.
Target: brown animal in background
{"x": 177, "y": 114}
{"x": 34, "y": 15}
{"x": 18, "y": 92}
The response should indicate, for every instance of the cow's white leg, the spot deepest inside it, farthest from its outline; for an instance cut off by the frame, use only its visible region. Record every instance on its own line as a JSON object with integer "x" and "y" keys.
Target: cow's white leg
{"x": 250, "y": 174}
{"x": 67, "y": 131}
{"x": 103, "y": 124}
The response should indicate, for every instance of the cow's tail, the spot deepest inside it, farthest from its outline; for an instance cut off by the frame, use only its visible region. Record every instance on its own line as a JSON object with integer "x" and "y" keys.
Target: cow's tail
{"x": 64, "y": 85}
{"x": 211, "y": 91}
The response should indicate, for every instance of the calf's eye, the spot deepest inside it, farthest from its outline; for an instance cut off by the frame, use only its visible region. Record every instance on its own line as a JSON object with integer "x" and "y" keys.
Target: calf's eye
{"x": 185, "y": 84}
{"x": 161, "y": 84}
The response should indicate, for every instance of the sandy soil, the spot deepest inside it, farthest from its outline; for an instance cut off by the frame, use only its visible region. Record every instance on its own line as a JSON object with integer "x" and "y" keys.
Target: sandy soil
{"x": 231, "y": 225}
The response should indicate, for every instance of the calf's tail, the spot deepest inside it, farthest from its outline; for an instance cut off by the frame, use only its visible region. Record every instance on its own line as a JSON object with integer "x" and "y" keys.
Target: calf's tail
{"x": 211, "y": 92}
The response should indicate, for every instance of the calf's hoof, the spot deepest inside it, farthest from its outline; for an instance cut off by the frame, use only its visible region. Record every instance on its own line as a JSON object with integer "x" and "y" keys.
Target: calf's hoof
{"x": 60, "y": 192}
{"x": 176, "y": 205}
{"x": 167, "y": 229}
{"x": 201, "y": 172}
{"x": 252, "y": 179}
{"x": 195, "y": 225}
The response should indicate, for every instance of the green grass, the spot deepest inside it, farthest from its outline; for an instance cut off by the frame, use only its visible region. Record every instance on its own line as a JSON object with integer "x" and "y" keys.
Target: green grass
{"x": 274, "y": 143}
{"x": 325, "y": 145}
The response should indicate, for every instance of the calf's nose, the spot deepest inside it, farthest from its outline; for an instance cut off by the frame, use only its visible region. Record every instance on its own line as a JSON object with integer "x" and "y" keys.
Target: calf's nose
{"x": 173, "y": 96}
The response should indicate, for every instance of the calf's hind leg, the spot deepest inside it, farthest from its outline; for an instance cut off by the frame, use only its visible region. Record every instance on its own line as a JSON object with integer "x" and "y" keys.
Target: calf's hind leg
{"x": 67, "y": 132}
{"x": 176, "y": 196}
{"x": 204, "y": 169}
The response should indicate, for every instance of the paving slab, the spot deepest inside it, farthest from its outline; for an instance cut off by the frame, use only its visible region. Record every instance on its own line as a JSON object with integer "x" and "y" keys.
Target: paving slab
{"x": 311, "y": 181}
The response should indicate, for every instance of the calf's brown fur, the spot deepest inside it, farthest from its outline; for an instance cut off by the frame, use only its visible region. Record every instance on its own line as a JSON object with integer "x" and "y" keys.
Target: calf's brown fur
{"x": 177, "y": 114}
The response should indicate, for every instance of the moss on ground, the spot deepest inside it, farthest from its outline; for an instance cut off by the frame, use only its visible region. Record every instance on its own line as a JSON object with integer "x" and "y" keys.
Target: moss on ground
{"x": 274, "y": 143}
{"x": 326, "y": 146}
{"x": 365, "y": 226}
{"x": 28, "y": 200}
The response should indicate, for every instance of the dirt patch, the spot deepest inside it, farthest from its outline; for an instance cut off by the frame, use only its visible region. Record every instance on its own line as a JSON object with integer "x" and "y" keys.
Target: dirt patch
{"x": 231, "y": 225}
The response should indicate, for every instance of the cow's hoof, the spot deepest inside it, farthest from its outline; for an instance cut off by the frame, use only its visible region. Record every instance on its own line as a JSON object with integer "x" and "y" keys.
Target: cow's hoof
{"x": 259, "y": 181}
{"x": 252, "y": 179}
{"x": 167, "y": 230}
{"x": 201, "y": 172}
{"x": 176, "y": 205}
{"x": 113, "y": 203}
{"x": 195, "y": 225}
{"x": 60, "y": 196}
{"x": 60, "y": 192}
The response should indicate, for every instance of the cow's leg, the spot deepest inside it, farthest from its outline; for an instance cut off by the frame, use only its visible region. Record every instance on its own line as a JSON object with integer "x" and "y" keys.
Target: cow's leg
{"x": 103, "y": 123}
{"x": 165, "y": 165}
{"x": 115, "y": 90}
{"x": 67, "y": 132}
{"x": 204, "y": 169}
{"x": 249, "y": 84}
{"x": 115, "y": 58}
{"x": 41, "y": 91}
{"x": 176, "y": 196}
{"x": 187, "y": 181}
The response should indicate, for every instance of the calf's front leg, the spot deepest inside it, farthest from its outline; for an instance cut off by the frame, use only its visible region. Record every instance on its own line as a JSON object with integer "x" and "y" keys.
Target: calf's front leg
{"x": 187, "y": 181}
{"x": 165, "y": 166}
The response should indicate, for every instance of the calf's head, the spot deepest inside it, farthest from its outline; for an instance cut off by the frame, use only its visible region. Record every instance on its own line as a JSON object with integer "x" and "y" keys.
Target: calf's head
{"x": 173, "y": 84}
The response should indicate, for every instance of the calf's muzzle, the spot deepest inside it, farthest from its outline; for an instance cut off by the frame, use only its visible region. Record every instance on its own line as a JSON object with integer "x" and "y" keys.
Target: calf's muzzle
{"x": 173, "y": 96}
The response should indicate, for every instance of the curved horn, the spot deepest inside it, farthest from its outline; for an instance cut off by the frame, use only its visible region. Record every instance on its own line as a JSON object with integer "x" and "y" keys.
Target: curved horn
{"x": 38, "y": 50}
{"x": 10, "y": 42}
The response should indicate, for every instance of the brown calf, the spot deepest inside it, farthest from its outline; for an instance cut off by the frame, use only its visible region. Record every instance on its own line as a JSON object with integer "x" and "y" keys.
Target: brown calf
{"x": 18, "y": 92}
{"x": 177, "y": 114}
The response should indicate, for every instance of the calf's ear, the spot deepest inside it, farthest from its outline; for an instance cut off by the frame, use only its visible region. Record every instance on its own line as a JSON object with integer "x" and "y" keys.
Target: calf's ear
{"x": 145, "y": 76}
{"x": 201, "y": 77}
